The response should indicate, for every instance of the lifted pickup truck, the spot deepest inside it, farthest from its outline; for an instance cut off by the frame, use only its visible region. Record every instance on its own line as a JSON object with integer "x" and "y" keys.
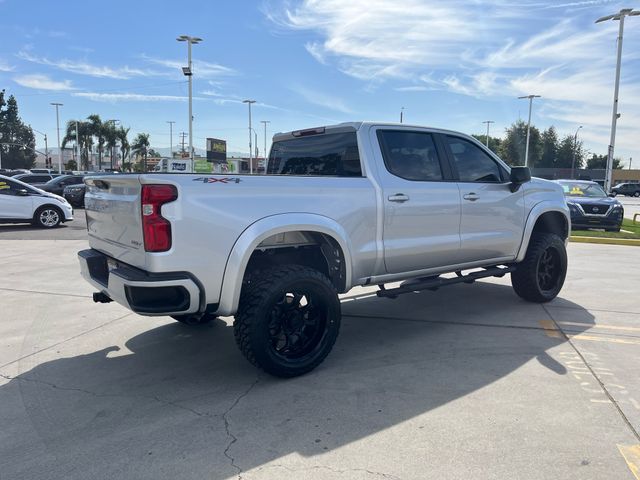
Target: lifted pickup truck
{"x": 345, "y": 205}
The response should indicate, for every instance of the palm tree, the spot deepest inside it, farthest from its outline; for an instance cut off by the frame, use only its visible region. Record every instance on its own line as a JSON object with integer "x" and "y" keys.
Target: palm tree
{"x": 125, "y": 148}
{"x": 97, "y": 130}
{"x": 140, "y": 147}
{"x": 85, "y": 139}
{"x": 110, "y": 133}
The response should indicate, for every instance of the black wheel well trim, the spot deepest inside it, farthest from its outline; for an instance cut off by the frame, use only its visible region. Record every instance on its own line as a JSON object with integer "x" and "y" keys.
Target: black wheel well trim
{"x": 552, "y": 221}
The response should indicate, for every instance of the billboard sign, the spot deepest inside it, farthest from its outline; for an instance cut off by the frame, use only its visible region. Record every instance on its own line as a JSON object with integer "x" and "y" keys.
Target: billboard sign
{"x": 216, "y": 150}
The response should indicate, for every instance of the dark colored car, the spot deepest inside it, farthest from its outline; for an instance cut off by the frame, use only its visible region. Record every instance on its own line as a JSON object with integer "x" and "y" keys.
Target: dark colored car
{"x": 629, "y": 189}
{"x": 591, "y": 207}
{"x": 35, "y": 179}
{"x": 58, "y": 184}
{"x": 74, "y": 194}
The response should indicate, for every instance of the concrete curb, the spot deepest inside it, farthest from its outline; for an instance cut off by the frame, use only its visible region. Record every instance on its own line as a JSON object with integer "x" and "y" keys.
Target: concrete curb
{"x": 605, "y": 240}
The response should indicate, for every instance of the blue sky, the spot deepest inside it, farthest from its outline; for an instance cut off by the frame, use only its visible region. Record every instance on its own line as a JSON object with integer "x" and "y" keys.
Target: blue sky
{"x": 451, "y": 64}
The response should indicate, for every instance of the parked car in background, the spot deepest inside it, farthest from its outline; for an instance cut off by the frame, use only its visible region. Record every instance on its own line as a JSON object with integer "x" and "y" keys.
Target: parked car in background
{"x": 591, "y": 207}
{"x": 23, "y": 203}
{"x": 13, "y": 173}
{"x": 42, "y": 170}
{"x": 628, "y": 189}
{"x": 36, "y": 179}
{"x": 74, "y": 194}
{"x": 58, "y": 184}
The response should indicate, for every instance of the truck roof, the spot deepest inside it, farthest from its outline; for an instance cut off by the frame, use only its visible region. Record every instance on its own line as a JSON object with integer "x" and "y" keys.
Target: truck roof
{"x": 349, "y": 126}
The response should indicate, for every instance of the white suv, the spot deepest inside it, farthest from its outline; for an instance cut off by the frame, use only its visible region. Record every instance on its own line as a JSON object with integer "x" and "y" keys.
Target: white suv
{"x": 20, "y": 203}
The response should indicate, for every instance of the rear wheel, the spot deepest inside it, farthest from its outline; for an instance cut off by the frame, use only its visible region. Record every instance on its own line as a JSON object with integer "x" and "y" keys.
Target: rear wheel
{"x": 47, "y": 217}
{"x": 540, "y": 276}
{"x": 288, "y": 320}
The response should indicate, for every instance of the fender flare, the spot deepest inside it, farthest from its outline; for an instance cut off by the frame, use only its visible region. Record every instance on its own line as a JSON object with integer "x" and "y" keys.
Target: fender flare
{"x": 258, "y": 231}
{"x": 534, "y": 214}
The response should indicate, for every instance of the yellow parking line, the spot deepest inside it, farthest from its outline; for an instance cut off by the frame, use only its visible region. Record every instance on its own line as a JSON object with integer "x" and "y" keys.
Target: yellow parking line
{"x": 591, "y": 338}
{"x": 631, "y": 454}
{"x": 594, "y": 325}
{"x": 550, "y": 329}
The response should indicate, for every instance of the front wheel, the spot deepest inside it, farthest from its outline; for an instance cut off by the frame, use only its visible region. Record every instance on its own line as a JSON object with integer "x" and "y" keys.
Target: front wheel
{"x": 47, "y": 217}
{"x": 288, "y": 320}
{"x": 540, "y": 276}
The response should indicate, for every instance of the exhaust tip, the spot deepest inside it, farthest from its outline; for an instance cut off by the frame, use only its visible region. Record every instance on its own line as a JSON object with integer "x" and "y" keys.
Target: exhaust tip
{"x": 100, "y": 297}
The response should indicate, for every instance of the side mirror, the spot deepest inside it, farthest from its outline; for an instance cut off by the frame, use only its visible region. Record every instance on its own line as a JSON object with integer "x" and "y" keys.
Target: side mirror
{"x": 22, "y": 192}
{"x": 518, "y": 176}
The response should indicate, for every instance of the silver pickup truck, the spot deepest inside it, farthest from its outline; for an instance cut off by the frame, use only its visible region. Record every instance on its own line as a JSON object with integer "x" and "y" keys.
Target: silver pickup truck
{"x": 339, "y": 206}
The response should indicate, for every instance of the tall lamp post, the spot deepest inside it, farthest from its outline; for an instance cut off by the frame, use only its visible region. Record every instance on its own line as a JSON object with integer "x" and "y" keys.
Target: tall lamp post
{"x": 488, "y": 122}
{"x": 264, "y": 122}
{"x": 575, "y": 147}
{"x": 58, "y": 130}
{"x": 170, "y": 122}
{"x": 614, "y": 118}
{"x": 401, "y": 114}
{"x": 526, "y": 148}
{"x": 188, "y": 72}
{"x": 249, "y": 102}
{"x": 46, "y": 146}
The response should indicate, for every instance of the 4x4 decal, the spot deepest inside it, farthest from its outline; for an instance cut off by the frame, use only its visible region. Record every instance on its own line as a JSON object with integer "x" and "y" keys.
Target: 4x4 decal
{"x": 217, "y": 180}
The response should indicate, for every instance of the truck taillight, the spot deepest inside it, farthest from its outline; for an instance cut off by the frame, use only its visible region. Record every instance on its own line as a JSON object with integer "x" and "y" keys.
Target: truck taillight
{"x": 155, "y": 228}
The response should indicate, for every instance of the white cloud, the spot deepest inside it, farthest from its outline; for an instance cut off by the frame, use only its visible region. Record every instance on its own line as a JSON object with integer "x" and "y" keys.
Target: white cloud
{"x": 200, "y": 68}
{"x": 129, "y": 97}
{"x": 5, "y": 67}
{"x": 42, "y": 82}
{"x": 322, "y": 99}
{"x": 84, "y": 68}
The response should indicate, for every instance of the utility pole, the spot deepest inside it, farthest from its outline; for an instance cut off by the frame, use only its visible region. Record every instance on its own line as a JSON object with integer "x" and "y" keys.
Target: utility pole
{"x": 488, "y": 122}
{"x": 526, "y": 149}
{"x": 630, "y": 160}
{"x": 183, "y": 135}
{"x": 401, "y": 113}
{"x": 170, "y": 122}
{"x": 614, "y": 118}
{"x": 573, "y": 157}
{"x": 78, "y": 159}
{"x": 264, "y": 122}
{"x": 58, "y": 130}
{"x": 249, "y": 102}
{"x": 188, "y": 72}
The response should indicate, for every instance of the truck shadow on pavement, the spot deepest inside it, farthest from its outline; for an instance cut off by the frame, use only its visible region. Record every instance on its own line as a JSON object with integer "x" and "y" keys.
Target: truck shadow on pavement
{"x": 180, "y": 402}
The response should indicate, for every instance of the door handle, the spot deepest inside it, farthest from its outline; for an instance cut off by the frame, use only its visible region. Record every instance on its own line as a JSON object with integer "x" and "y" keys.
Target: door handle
{"x": 398, "y": 197}
{"x": 471, "y": 197}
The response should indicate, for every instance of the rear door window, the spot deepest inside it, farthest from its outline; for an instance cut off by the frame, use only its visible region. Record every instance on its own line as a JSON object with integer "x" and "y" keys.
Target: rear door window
{"x": 330, "y": 154}
{"x": 410, "y": 155}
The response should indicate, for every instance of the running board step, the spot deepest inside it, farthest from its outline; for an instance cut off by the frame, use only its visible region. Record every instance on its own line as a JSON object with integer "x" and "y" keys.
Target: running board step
{"x": 436, "y": 283}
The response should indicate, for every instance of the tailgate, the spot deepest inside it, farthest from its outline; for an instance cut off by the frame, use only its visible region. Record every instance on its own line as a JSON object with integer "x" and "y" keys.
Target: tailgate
{"x": 114, "y": 224}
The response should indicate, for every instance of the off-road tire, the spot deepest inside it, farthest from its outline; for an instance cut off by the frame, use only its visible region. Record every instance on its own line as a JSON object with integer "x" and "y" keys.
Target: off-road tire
{"x": 48, "y": 216}
{"x": 530, "y": 279}
{"x": 266, "y": 309}
{"x": 194, "y": 319}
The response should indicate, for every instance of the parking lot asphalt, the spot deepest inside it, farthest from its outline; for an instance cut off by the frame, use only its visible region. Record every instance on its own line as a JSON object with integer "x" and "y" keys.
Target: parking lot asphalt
{"x": 466, "y": 382}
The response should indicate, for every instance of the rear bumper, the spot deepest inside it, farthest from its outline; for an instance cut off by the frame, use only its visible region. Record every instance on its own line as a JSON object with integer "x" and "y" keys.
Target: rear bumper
{"x": 146, "y": 293}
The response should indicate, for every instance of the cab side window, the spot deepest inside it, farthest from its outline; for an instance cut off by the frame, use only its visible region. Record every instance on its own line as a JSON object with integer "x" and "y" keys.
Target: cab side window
{"x": 473, "y": 164}
{"x": 410, "y": 155}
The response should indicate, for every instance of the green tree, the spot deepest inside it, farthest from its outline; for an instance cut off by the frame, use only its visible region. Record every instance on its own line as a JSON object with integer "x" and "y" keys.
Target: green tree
{"x": 110, "y": 133}
{"x": 549, "y": 148}
{"x": 125, "y": 147}
{"x": 140, "y": 148}
{"x": 494, "y": 142}
{"x": 97, "y": 130}
{"x": 17, "y": 142}
{"x": 84, "y": 137}
{"x": 600, "y": 162}
{"x": 512, "y": 148}
{"x": 570, "y": 153}
{"x": 71, "y": 165}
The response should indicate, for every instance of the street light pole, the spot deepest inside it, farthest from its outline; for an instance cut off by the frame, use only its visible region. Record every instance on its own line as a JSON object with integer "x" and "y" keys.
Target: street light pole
{"x": 526, "y": 148}
{"x": 58, "y": 130}
{"x": 170, "y": 122}
{"x": 188, "y": 71}
{"x": 249, "y": 102}
{"x": 264, "y": 122}
{"x": 488, "y": 122}
{"x": 79, "y": 160}
{"x": 614, "y": 118}
{"x": 46, "y": 145}
{"x": 575, "y": 147}
{"x": 401, "y": 113}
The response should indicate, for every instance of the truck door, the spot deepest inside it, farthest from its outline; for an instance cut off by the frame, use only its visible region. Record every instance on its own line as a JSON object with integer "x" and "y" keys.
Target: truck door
{"x": 421, "y": 201}
{"x": 492, "y": 216}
